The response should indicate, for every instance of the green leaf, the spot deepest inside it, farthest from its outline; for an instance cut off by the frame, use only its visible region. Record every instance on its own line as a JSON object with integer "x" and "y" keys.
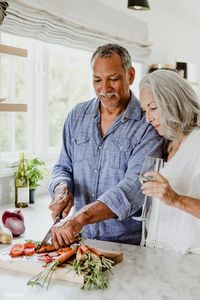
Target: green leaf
{"x": 36, "y": 171}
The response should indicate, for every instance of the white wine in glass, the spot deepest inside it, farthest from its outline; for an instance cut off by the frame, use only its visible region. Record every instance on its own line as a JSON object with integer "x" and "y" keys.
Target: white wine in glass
{"x": 150, "y": 164}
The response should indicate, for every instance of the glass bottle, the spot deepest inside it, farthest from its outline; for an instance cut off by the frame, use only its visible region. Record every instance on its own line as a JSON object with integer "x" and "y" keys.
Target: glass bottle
{"x": 21, "y": 185}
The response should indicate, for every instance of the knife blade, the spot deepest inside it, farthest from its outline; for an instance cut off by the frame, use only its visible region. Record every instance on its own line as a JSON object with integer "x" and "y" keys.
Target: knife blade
{"x": 58, "y": 218}
{"x": 48, "y": 235}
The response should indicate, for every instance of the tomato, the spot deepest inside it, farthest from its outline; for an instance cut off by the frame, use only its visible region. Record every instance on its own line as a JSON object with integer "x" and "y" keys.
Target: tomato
{"x": 30, "y": 245}
{"x": 29, "y": 251}
{"x": 17, "y": 250}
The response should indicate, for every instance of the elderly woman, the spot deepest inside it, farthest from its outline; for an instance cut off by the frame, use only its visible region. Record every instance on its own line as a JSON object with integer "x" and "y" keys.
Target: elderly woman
{"x": 172, "y": 107}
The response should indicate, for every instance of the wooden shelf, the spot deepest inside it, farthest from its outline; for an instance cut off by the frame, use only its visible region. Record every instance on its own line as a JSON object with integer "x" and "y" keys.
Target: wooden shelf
{"x": 13, "y": 51}
{"x": 13, "y": 107}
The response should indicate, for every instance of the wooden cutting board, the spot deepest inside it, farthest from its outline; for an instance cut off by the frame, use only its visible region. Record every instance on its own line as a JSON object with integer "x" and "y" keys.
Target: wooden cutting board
{"x": 30, "y": 265}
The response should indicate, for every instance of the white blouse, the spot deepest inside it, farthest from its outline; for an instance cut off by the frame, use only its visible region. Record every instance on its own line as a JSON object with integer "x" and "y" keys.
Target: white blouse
{"x": 169, "y": 227}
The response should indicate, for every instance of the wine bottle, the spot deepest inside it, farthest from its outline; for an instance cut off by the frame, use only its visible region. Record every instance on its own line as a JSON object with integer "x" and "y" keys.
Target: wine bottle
{"x": 21, "y": 185}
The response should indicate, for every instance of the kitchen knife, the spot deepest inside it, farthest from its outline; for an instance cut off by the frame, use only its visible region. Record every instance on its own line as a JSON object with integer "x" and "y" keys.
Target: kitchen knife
{"x": 48, "y": 235}
{"x": 58, "y": 218}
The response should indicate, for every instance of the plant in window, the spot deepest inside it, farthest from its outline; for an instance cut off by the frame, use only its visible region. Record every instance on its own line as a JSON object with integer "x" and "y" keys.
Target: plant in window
{"x": 36, "y": 171}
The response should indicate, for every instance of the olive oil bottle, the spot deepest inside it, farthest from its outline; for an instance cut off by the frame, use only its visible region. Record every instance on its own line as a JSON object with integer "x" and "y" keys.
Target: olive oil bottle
{"x": 21, "y": 185}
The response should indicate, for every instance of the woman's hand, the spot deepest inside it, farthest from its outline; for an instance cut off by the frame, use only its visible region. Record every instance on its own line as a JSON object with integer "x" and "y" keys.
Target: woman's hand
{"x": 159, "y": 187}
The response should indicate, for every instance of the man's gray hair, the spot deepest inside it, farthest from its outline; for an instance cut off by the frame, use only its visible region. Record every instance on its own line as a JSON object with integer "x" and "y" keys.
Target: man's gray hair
{"x": 108, "y": 50}
{"x": 176, "y": 100}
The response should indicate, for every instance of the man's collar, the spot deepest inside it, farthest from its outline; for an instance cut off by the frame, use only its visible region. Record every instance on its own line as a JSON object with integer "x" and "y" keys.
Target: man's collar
{"x": 133, "y": 110}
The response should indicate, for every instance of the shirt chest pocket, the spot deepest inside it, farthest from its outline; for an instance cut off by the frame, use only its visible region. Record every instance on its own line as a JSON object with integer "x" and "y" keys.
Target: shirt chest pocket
{"x": 81, "y": 147}
{"x": 121, "y": 152}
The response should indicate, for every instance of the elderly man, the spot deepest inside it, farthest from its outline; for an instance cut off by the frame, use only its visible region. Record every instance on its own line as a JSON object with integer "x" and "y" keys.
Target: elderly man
{"x": 105, "y": 141}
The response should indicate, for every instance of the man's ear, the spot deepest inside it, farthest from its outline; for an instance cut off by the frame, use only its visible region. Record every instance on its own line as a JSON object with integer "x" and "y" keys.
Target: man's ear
{"x": 131, "y": 75}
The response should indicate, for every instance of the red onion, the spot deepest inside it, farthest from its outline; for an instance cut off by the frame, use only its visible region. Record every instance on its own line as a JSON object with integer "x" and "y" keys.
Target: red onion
{"x": 12, "y": 213}
{"x": 15, "y": 225}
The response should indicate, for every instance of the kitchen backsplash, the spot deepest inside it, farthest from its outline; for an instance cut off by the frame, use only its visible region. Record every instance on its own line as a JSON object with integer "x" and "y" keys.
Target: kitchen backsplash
{"x": 7, "y": 190}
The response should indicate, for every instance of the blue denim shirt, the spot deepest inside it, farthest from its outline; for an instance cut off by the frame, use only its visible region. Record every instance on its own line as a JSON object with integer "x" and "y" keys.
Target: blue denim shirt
{"x": 107, "y": 168}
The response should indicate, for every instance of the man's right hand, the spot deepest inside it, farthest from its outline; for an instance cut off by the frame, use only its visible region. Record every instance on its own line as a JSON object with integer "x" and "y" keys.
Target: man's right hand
{"x": 62, "y": 201}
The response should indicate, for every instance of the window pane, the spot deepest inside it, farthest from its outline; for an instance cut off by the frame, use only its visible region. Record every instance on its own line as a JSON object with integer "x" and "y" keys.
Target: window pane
{"x": 5, "y": 76}
{"x": 20, "y": 82}
{"x": 20, "y": 131}
{"x": 13, "y": 86}
{"x": 69, "y": 84}
{"x": 4, "y": 130}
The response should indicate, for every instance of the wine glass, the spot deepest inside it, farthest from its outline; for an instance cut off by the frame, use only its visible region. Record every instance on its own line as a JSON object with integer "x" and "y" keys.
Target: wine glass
{"x": 150, "y": 164}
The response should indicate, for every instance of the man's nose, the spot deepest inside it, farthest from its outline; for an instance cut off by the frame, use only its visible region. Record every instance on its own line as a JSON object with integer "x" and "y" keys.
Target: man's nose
{"x": 105, "y": 86}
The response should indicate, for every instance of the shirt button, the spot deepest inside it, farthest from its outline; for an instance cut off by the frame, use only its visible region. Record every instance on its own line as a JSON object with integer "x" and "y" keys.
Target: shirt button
{"x": 99, "y": 147}
{"x": 95, "y": 171}
{"x": 92, "y": 195}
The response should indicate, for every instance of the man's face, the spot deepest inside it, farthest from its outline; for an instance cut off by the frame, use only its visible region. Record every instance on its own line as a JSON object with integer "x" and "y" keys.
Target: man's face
{"x": 111, "y": 82}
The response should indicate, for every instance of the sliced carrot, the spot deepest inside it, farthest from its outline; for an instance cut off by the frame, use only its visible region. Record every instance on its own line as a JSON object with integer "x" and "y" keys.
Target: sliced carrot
{"x": 47, "y": 248}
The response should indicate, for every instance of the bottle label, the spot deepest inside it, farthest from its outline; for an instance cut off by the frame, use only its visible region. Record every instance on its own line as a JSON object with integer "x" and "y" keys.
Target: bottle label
{"x": 23, "y": 195}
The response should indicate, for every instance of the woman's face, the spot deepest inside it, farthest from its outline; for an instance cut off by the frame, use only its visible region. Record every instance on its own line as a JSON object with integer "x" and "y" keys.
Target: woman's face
{"x": 149, "y": 106}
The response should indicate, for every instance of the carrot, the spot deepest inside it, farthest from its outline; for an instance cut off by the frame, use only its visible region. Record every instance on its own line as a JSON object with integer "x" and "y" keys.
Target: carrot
{"x": 63, "y": 250}
{"x": 78, "y": 253}
{"x": 95, "y": 251}
{"x": 65, "y": 256}
{"x": 47, "y": 248}
{"x": 80, "y": 256}
{"x": 84, "y": 248}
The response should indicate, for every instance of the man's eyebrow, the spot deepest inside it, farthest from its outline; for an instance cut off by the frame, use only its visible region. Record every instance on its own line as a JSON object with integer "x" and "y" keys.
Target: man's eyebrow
{"x": 111, "y": 75}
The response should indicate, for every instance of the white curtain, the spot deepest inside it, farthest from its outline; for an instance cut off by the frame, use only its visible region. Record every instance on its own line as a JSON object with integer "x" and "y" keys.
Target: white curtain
{"x": 83, "y": 24}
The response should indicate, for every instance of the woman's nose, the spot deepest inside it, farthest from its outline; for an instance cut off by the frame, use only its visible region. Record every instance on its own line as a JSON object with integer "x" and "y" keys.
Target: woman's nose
{"x": 149, "y": 117}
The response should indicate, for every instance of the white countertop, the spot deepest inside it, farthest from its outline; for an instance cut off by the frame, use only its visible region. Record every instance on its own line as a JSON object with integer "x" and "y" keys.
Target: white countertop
{"x": 144, "y": 273}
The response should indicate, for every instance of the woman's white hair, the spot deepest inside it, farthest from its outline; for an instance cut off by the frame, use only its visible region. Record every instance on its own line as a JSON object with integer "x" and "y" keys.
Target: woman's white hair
{"x": 178, "y": 104}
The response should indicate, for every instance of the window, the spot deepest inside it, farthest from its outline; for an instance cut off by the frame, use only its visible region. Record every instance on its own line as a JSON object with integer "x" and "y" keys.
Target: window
{"x": 51, "y": 81}
{"x": 69, "y": 83}
{"x": 13, "y": 86}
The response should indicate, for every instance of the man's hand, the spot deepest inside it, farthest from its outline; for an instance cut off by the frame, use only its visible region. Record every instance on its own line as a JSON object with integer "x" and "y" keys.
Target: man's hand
{"x": 65, "y": 232}
{"x": 62, "y": 201}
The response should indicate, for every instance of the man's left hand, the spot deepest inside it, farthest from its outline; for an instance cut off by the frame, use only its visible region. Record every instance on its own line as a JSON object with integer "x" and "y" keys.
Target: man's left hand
{"x": 65, "y": 232}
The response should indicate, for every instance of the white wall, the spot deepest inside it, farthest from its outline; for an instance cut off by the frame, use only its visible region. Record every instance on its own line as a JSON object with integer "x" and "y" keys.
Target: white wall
{"x": 173, "y": 36}
{"x": 174, "y": 33}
